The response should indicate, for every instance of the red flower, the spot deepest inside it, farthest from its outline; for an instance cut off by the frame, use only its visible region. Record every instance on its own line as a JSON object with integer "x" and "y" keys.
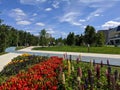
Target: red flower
{"x": 54, "y": 88}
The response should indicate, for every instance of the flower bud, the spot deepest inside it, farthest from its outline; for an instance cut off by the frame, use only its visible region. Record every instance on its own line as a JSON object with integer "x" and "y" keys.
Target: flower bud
{"x": 78, "y": 79}
{"x": 69, "y": 67}
{"x": 101, "y": 63}
{"x": 77, "y": 60}
{"x": 63, "y": 78}
{"x": 108, "y": 76}
{"x": 91, "y": 63}
{"x": 79, "y": 72}
{"x": 73, "y": 68}
{"x": 86, "y": 84}
{"x": 89, "y": 75}
{"x": 97, "y": 71}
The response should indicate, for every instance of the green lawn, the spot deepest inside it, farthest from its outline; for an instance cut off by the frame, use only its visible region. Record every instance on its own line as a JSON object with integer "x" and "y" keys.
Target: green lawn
{"x": 104, "y": 50}
{"x": 20, "y": 47}
{"x": 3, "y": 53}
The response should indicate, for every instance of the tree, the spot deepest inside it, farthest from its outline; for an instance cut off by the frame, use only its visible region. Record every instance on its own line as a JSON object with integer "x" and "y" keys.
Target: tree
{"x": 59, "y": 41}
{"x": 81, "y": 40}
{"x": 9, "y": 36}
{"x": 71, "y": 39}
{"x": 3, "y": 38}
{"x": 77, "y": 40}
{"x": 1, "y": 21}
{"x": 43, "y": 37}
{"x": 100, "y": 39}
{"x": 90, "y": 35}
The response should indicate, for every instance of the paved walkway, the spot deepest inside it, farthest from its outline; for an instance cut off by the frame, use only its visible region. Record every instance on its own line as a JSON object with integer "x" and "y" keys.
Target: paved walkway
{"x": 114, "y": 59}
{"x": 6, "y": 58}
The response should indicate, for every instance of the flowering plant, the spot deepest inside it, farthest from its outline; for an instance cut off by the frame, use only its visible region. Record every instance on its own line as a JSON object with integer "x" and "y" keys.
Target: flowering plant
{"x": 41, "y": 76}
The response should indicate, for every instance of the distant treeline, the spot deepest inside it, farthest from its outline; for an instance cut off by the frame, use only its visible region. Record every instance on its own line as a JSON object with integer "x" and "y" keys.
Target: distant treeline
{"x": 89, "y": 38}
{"x": 10, "y": 36}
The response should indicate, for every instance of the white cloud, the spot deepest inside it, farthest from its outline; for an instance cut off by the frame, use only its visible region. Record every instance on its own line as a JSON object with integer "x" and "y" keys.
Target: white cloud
{"x": 89, "y": 1}
{"x": 100, "y": 7}
{"x": 35, "y": 14}
{"x": 48, "y": 9}
{"x": 51, "y": 31}
{"x": 24, "y": 22}
{"x": 94, "y": 1}
{"x": 76, "y": 23}
{"x": 40, "y": 24}
{"x": 82, "y": 20}
{"x": 95, "y": 13}
{"x": 56, "y": 4}
{"x": 18, "y": 14}
{"x": 110, "y": 24}
{"x": 71, "y": 18}
{"x": 32, "y": 2}
{"x": 32, "y": 19}
{"x": 56, "y": 33}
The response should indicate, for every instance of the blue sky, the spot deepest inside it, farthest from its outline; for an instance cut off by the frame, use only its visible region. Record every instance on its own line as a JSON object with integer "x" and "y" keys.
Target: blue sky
{"x": 59, "y": 17}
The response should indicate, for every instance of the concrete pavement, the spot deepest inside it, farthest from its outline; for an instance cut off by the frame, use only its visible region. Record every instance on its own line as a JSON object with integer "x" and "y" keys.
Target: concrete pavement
{"x": 114, "y": 59}
{"x": 6, "y": 58}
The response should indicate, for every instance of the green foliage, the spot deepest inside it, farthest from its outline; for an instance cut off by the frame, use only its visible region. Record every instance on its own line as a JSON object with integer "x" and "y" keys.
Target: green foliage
{"x": 20, "y": 47}
{"x": 3, "y": 37}
{"x": 59, "y": 41}
{"x": 79, "y": 40}
{"x": 91, "y": 76}
{"x": 3, "y": 53}
{"x": 104, "y": 50}
{"x": 43, "y": 38}
{"x": 10, "y": 36}
{"x": 89, "y": 35}
{"x": 71, "y": 39}
{"x": 100, "y": 39}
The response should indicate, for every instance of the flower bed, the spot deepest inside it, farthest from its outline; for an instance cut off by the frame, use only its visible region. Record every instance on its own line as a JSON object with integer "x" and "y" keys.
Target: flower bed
{"x": 77, "y": 75}
{"x": 56, "y": 74}
{"x": 22, "y": 62}
{"x": 41, "y": 76}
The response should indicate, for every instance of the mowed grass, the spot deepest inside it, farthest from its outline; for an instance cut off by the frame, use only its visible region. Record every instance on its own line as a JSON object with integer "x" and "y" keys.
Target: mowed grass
{"x": 20, "y": 47}
{"x": 3, "y": 53}
{"x": 103, "y": 50}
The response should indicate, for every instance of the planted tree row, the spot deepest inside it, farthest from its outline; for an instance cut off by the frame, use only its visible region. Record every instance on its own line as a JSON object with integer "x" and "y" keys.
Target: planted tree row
{"x": 9, "y": 36}
{"x": 90, "y": 36}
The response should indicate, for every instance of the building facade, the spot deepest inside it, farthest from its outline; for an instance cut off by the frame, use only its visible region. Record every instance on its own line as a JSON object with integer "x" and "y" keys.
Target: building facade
{"x": 112, "y": 36}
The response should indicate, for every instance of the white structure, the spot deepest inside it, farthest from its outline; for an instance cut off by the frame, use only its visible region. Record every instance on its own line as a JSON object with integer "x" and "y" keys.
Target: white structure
{"x": 112, "y": 36}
